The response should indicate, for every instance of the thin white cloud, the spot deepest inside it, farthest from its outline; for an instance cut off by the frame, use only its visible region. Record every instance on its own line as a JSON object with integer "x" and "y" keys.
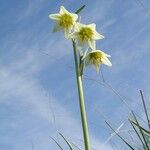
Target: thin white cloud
{"x": 32, "y": 7}
{"x": 18, "y": 81}
{"x": 17, "y": 77}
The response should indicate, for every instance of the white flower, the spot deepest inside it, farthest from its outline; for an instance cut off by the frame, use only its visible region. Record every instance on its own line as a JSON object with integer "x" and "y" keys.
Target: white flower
{"x": 86, "y": 34}
{"x": 64, "y": 20}
{"x": 96, "y": 58}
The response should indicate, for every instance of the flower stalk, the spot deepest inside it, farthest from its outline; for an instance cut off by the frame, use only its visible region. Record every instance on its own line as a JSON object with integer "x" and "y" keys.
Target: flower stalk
{"x": 85, "y": 53}
{"x": 81, "y": 100}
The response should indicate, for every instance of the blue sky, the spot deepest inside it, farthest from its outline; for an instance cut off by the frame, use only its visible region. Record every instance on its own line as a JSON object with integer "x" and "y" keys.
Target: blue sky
{"x": 38, "y": 91}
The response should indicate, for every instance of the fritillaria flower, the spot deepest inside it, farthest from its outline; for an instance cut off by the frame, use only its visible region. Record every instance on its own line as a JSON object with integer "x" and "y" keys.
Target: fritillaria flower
{"x": 96, "y": 58}
{"x": 86, "y": 35}
{"x": 64, "y": 20}
{"x": 83, "y": 40}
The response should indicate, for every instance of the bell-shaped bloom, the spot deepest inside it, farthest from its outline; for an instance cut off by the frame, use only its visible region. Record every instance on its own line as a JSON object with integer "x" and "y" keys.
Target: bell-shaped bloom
{"x": 96, "y": 58}
{"x": 86, "y": 35}
{"x": 64, "y": 20}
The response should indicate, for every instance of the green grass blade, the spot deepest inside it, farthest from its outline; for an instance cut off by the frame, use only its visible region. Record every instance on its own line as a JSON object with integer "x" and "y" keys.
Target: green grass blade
{"x": 76, "y": 146}
{"x": 120, "y": 136}
{"x": 145, "y": 109}
{"x": 137, "y": 133}
{"x": 141, "y": 131}
{"x": 68, "y": 143}
{"x": 57, "y": 143}
{"x": 113, "y": 134}
{"x": 80, "y": 9}
{"x": 146, "y": 131}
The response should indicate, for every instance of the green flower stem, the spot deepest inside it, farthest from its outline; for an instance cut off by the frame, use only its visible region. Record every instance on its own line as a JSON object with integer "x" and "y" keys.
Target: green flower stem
{"x": 81, "y": 100}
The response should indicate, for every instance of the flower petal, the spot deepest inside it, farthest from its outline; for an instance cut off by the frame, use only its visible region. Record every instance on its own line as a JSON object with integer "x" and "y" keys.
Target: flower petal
{"x": 92, "y": 26}
{"x": 92, "y": 44}
{"x": 54, "y": 16}
{"x": 97, "y": 67}
{"x": 63, "y": 10}
{"x": 85, "y": 54}
{"x": 74, "y": 16}
{"x": 98, "y": 36}
{"x": 106, "y": 61}
{"x": 103, "y": 53}
{"x": 77, "y": 27}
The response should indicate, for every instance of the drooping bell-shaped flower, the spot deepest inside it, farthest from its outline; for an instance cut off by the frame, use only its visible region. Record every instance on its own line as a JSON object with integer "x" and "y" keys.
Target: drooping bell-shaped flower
{"x": 96, "y": 58}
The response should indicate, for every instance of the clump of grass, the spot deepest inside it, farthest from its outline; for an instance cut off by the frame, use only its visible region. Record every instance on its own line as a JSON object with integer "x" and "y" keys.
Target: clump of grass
{"x": 70, "y": 145}
{"x": 141, "y": 131}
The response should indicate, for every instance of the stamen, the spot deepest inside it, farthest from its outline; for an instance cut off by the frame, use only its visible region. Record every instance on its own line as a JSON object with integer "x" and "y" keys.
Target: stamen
{"x": 95, "y": 58}
{"x": 65, "y": 21}
{"x": 85, "y": 34}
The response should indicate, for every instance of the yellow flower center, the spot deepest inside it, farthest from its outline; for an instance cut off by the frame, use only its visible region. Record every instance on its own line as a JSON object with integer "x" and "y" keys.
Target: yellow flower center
{"x": 95, "y": 58}
{"x": 65, "y": 21}
{"x": 85, "y": 34}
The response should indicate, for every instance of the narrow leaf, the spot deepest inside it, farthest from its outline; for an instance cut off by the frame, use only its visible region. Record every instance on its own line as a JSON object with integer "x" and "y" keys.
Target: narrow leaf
{"x": 141, "y": 131}
{"x": 142, "y": 97}
{"x": 112, "y": 134}
{"x": 120, "y": 136}
{"x": 57, "y": 143}
{"x": 80, "y": 9}
{"x": 68, "y": 143}
{"x": 76, "y": 146}
{"x": 137, "y": 133}
{"x": 146, "y": 131}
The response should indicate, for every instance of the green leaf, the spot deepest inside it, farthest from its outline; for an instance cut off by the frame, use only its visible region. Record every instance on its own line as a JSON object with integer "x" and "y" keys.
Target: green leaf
{"x": 145, "y": 109}
{"x": 146, "y": 131}
{"x": 57, "y": 143}
{"x": 76, "y": 146}
{"x": 68, "y": 143}
{"x": 80, "y": 9}
{"x": 137, "y": 133}
{"x": 141, "y": 131}
{"x": 120, "y": 136}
